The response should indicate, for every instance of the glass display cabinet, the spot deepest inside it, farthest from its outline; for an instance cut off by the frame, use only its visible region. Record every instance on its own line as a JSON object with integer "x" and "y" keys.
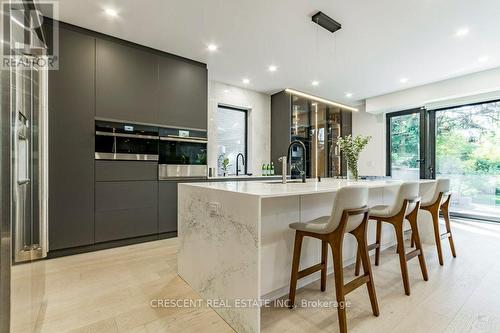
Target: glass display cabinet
{"x": 317, "y": 125}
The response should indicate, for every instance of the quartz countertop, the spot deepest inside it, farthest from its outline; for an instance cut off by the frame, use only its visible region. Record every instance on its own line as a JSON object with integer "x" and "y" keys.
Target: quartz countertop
{"x": 246, "y": 177}
{"x": 274, "y": 188}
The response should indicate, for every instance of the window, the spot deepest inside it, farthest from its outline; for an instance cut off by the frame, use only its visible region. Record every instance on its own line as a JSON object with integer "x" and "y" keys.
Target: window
{"x": 403, "y": 130}
{"x": 231, "y": 138}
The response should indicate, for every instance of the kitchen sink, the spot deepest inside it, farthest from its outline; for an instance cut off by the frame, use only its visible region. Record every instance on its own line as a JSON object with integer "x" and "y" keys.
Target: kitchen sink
{"x": 293, "y": 181}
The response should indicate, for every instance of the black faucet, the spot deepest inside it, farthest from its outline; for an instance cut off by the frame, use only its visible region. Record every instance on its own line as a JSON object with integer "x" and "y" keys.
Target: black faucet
{"x": 237, "y": 166}
{"x": 304, "y": 159}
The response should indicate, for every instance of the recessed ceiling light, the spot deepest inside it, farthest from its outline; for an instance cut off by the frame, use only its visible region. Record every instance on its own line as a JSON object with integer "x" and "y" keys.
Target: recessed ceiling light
{"x": 315, "y": 83}
{"x": 462, "y": 32}
{"x": 111, "y": 12}
{"x": 483, "y": 59}
{"x": 246, "y": 81}
{"x": 212, "y": 47}
{"x": 272, "y": 68}
{"x": 403, "y": 80}
{"x": 348, "y": 95}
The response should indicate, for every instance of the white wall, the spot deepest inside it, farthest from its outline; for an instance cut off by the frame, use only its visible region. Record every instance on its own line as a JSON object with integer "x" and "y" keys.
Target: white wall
{"x": 372, "y": 159}
{"x": 259, "y": 122}
{"x": 470, "y": 88}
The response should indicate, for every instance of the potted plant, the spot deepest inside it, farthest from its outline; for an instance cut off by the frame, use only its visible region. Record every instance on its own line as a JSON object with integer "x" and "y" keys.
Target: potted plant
{"x": 351, "y": 148}
{"x": 224, "y": 164}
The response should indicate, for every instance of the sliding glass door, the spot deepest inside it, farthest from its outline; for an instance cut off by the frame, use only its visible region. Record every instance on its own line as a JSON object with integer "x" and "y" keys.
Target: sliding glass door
{"x": 467, "y": 150}
{"x": 460, "y": 143}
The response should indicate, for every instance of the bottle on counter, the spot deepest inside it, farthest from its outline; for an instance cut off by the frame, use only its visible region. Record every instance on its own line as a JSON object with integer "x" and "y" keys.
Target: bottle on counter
{"x": 268, "y": 170}
{"x": 272, "y": 169}
{"x": 264, "y": 170}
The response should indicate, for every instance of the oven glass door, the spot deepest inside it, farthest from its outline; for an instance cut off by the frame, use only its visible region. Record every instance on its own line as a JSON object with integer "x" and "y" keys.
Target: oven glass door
{"x": 183, "y": 153}
{"x": 126, "y": 145}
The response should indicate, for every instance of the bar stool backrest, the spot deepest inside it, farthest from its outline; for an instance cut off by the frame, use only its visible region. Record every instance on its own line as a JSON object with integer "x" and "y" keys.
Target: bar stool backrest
{"x": 441, "y": 185}
{"x": 349, "y": 197}
{"x": 407, "y": 191}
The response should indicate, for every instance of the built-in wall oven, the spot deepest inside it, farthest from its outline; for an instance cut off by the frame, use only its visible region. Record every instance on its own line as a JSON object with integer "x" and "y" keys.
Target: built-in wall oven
{"x": 183, "y": 154}
{"x": 119, "y": 141}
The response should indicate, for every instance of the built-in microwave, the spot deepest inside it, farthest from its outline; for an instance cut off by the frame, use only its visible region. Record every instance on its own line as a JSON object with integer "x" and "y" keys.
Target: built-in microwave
{"x": 120, "y": 141}
{"x": 183, "y": 154}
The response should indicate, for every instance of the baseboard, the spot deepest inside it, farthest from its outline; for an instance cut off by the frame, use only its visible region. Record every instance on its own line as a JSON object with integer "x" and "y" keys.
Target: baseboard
{"x": 108, "y": 245}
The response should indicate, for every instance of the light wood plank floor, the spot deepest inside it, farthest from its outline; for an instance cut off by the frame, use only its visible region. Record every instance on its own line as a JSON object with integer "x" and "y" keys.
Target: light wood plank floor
{"x": 111, "y": 291}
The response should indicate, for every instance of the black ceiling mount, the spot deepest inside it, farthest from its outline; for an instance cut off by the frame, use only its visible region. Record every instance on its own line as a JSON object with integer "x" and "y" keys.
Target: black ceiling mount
{"x": 326, "y": 22}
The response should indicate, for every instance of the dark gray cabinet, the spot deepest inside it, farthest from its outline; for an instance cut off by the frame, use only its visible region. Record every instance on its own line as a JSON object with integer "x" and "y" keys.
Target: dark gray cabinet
{"x": 71, "y": 142}
{"x": 126, "y": 82}
{"x": 167, "y": 206}
{"x": 183, "y": 93}
{"x": 125, "y": 210}
{"x": 125, "y": 170}
{"x": 281, "y": 105}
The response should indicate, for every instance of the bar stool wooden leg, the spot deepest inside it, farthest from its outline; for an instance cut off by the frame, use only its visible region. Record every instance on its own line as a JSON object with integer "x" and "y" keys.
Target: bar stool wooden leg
{"x": 446, "y": 216}
{"x": 295, "y": 267}
{"x": 437, "y": 234}
{"x": 339, "y": 283}
{"x": 415, "y": 236}
{"x": 324, "y": 262}
{"x": 402, "y": 257}
{"x": 358, "y": 262}
{"x": 378, "y": 241}
{"x": 361, "y": 237}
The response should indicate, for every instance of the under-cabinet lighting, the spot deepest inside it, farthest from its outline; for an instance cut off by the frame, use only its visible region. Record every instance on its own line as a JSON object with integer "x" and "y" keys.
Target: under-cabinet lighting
{"x": 319, "y": 99}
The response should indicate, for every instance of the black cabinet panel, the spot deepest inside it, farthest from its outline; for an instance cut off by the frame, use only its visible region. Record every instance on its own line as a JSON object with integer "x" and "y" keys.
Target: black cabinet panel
{"x": 125, "y": 170}
{"x": 126, "y": 209}
{"x": 183, "y": 93}
{"x": 126, "y": 223}
{"x": 126, "y": 82}
{"x": 281, "y": 105}
{"x": 167, "y": 206}
{"x": 71, "y": 142}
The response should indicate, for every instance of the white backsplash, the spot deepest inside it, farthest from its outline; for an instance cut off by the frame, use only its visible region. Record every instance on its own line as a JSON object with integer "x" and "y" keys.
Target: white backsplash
{"x": 259, "y": 122}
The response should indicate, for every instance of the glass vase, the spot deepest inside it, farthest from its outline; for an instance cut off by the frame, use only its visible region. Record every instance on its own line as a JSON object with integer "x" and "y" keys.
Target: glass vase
{"x": 352, "y": 171}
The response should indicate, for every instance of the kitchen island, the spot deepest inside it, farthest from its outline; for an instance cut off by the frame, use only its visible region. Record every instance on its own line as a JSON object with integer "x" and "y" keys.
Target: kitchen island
{"x": 236, "y": 247}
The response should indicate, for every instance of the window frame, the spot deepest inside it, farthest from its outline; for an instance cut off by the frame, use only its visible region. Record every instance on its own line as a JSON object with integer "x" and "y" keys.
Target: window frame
{"x": 424, "y": 154}
{"x": 245, "y": 111}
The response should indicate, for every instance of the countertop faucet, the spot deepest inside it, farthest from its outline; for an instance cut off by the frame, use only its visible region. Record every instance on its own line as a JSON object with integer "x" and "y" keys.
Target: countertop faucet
{"x": 237, "y": 166}
{"x": 284, "y": 163}
{"x": 303, "y": 173}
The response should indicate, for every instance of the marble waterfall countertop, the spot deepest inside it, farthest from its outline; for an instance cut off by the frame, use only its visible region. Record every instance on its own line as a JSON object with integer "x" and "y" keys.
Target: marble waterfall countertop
{"x": 274, "y": 188}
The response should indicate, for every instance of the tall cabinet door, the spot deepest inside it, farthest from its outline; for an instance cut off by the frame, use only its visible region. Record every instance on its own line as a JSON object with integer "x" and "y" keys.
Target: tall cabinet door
{"x": 126, "y": 82}
{"x": 71, "y": 143}
{"x": 183, "y": 93}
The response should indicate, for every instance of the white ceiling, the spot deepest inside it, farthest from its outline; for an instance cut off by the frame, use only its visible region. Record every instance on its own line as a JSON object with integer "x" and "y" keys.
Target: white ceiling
{"x": 380, "y": 41}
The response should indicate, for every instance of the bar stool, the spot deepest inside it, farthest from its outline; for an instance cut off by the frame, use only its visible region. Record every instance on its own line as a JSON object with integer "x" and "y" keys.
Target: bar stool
{"x": 440, "y": 199}
{"x": 349, "y": 214}
{"x": 405, "y": 206}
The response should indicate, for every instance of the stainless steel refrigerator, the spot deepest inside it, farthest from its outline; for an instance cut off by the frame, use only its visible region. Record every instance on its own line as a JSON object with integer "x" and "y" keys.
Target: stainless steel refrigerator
{"x": 29, "y": 163}
{"x": 23, "y": 174}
